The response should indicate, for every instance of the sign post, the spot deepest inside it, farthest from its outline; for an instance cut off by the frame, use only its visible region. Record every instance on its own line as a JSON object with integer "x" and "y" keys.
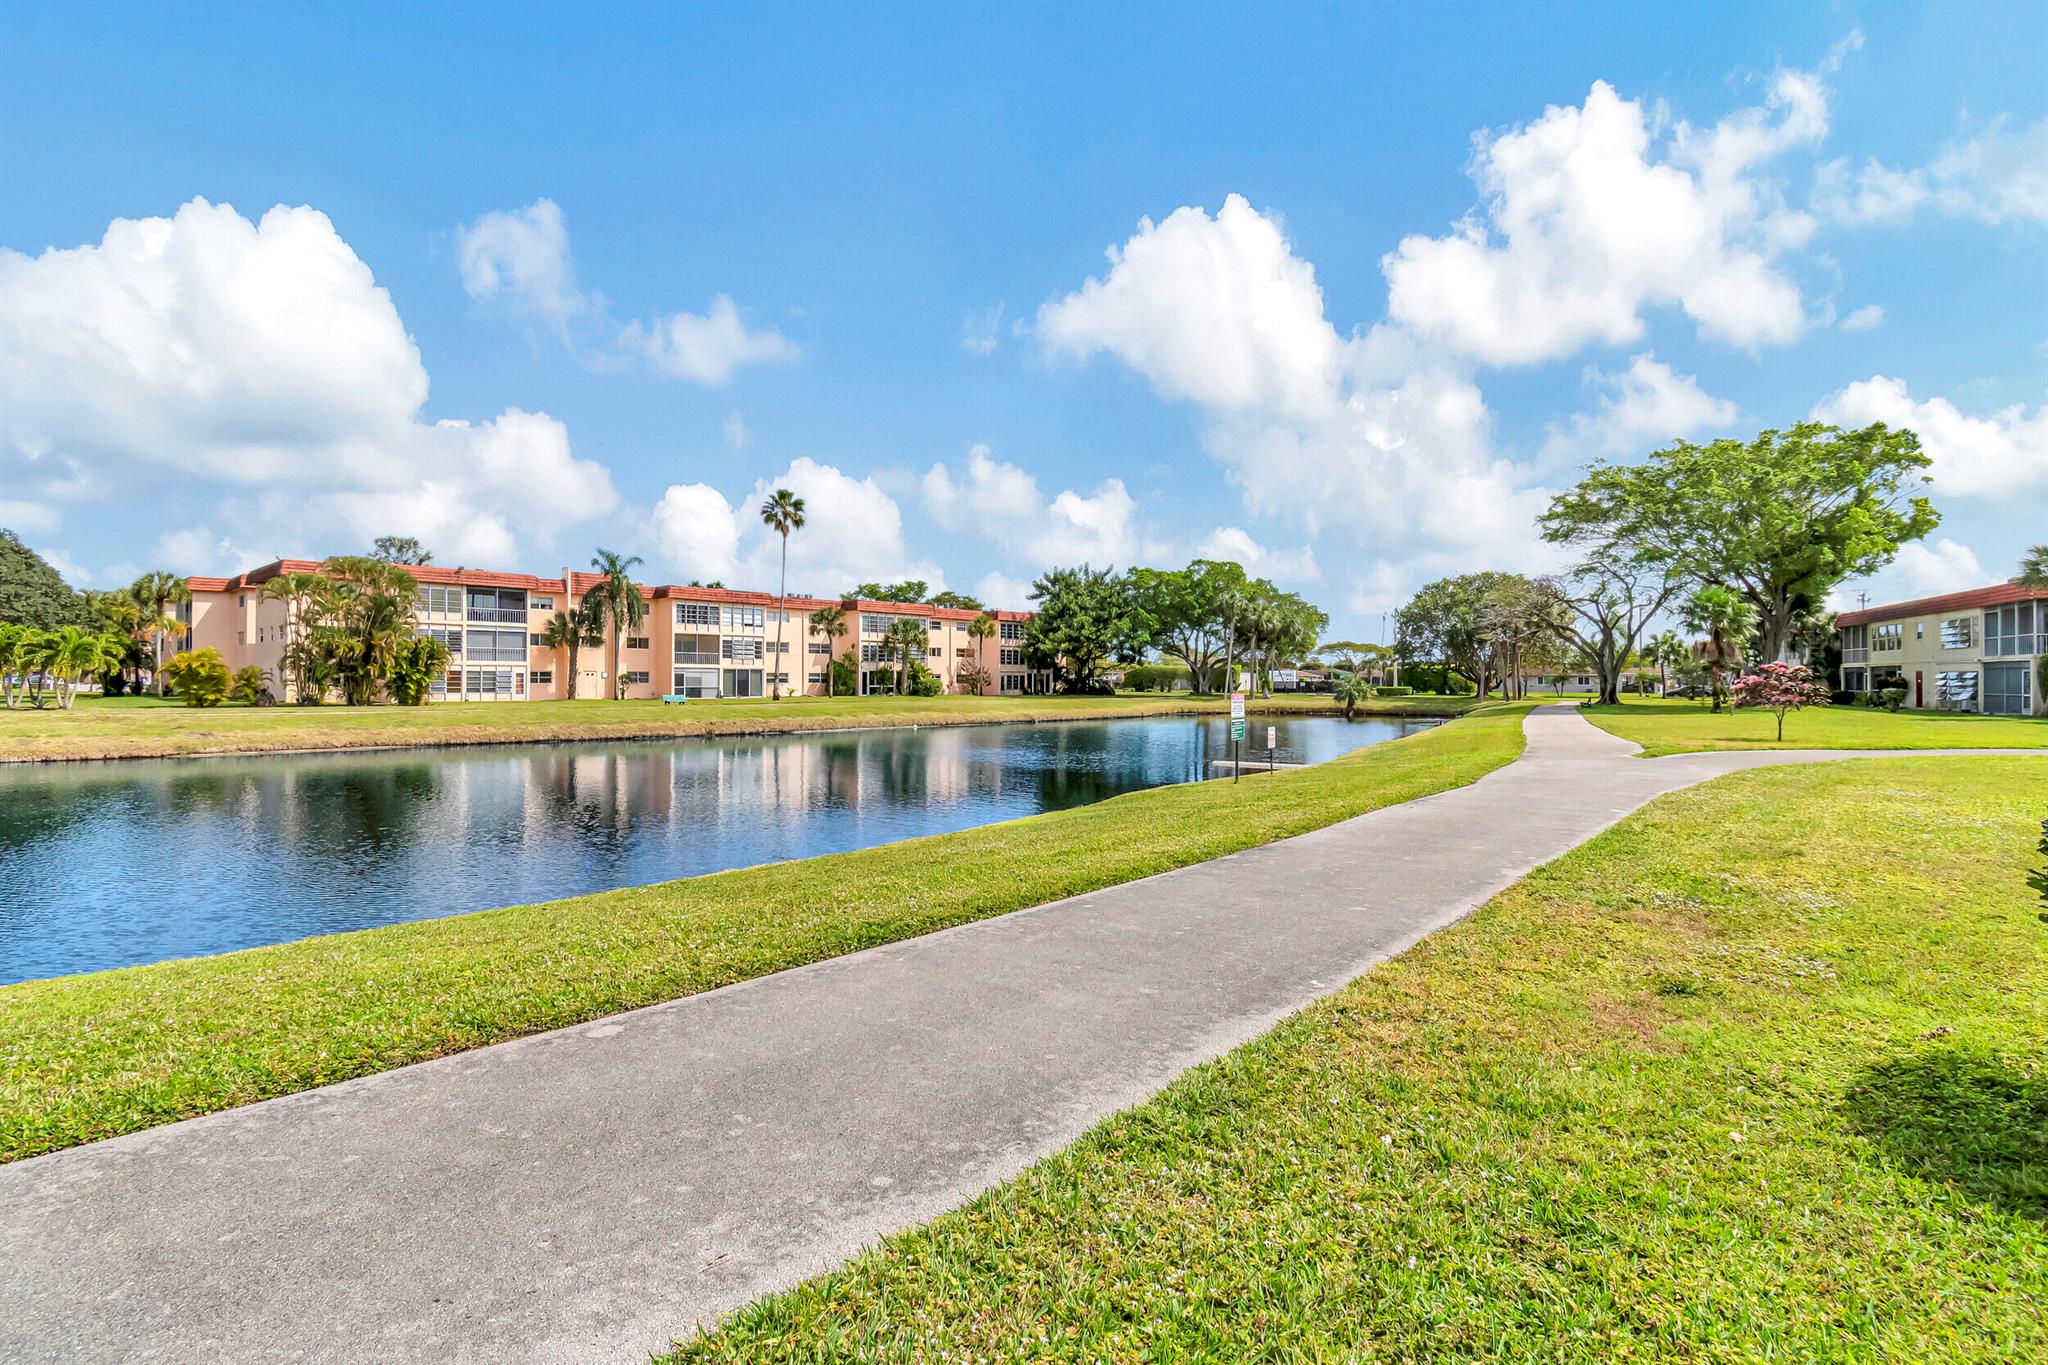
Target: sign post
{"x": 1272, "y": 747}
{"x": 1236, "y": 731}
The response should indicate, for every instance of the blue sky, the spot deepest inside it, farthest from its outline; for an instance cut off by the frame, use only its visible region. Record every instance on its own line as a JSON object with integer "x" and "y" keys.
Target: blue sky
{"x": 546, "y": 278}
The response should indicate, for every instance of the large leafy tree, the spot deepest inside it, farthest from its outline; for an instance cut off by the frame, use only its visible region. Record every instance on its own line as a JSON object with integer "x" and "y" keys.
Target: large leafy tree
{"x": 782, "y": 512}
{"x": 1180, "y": 613}
{"x": 1778, "y": 520}
{"x": 401, "y": 550}
{"x": 617, "y": 596}
{"x": 34, "y": 594}
{"x": 1602, "y": 610}
{"x": 1448, "y": 622}
{"x": 1085, "y": 618}
{"x": 958, "y": 601}
{"x": 363, "y": 609}
{"x": 909, "y": 590}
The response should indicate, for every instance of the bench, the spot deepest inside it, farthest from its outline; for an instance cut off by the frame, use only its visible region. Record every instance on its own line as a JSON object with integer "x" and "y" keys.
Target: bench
{"x": 673, "y": 699}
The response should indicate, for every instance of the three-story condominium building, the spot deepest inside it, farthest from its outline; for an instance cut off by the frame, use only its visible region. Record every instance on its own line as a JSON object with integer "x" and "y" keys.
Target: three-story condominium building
{"x": 695, "y": 642}
{"x": 1964, "y": 651}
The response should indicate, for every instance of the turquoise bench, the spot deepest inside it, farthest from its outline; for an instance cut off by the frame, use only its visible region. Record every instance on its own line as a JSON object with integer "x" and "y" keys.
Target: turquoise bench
{"x": 673, "y": 699}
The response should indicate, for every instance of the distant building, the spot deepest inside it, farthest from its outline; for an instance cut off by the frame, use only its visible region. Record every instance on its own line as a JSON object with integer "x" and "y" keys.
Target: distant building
{"x": 698, "y": 642}
{"x": 1964, "y": 651}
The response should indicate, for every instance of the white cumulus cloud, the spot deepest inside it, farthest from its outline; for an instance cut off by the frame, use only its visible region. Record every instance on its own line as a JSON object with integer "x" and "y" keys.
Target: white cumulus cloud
{"x": 521, "y": 258}
{"x": 262, "y": 357}
{"x": 1002, "y": 505}
{"x": 1972, "y": 456}
{"x": 1235, "y": 544}
{"x": 1864, "y": 319}
{"x": 1640, "y": 409}
{"x": 708, "y": 347}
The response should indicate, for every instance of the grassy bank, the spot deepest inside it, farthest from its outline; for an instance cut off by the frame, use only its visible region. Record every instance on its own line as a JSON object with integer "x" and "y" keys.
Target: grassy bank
{"x": 1760, "y": 1074}
{"x": 85, "y": 1057}
{"x": 1675, "y": 727}
{"x": 148, "y": 728}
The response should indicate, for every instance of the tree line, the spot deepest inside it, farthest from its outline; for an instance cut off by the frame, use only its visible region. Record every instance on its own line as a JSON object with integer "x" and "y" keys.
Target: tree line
{"x": 1741, "y": 540}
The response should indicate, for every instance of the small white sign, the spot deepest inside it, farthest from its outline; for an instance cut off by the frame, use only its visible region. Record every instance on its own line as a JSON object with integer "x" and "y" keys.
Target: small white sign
{"x": 1272, "y": 737}
{"x": 1237, "y": 706}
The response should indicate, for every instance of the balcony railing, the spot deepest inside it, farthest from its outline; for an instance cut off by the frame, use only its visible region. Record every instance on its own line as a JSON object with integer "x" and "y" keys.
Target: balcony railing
{"x": 515, "y": 616}
{"x": 1855, "y": 656}
{"x": 691, "y": 656}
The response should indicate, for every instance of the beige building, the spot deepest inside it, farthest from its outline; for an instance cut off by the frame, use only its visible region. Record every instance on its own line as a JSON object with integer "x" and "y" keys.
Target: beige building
{"x": 1966, "y": 651}
{"x": 696, "y": 642}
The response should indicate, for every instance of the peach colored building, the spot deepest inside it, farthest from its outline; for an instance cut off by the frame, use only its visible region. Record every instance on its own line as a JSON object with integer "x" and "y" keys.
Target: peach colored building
{"x": 696, "y": 642}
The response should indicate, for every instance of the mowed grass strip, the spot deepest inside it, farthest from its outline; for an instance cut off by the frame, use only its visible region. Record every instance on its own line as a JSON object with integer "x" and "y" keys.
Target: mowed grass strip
{"x": 85, "y": 1057}
{"x": 1670, "y": 726}
{"x": 149, "y": 728}
{"x": 1761, "y": 1074}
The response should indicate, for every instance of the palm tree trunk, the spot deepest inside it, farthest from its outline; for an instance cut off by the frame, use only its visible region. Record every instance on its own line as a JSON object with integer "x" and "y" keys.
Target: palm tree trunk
{"x": 783, "y": 615}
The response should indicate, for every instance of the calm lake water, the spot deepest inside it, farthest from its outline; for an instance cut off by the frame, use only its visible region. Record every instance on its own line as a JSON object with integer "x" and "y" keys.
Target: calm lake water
{"x": 111, "y": 864}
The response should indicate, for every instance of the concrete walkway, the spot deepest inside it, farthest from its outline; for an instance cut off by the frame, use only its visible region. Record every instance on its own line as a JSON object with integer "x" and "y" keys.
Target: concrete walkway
{"x": 590, "y": 1194}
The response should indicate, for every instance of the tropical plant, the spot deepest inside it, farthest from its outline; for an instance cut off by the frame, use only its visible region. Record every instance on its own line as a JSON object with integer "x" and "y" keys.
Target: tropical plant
{"x": 1726, "y": 619}
{"x": 924, "y": 682}
{"x": 2034, "y": 567}
{"x": 32, "y": 594}
{"x": 415, "y": 664}
{"x": 958, "y": 601}
{"x": 570, "y": 631}
{"x": 1665, "y": 651}
{"x": 1602, "y": 609}
{"x": 909, "y": 590}
{"x": 364, "y": 612}
{"x": 250, "y": 684}
{"x": 401, "y": 550}
{"x": 71, "y": 654}
{"x": 981, "y": 630}
{"x": 296, "y": 591}
{"x": 782, "y": 513}
{"x": 830, "y": 622}
{"x": 1780, "y": 687}
{"x": 617, "y": 597}
{"x": 1085, "y": 618}
{"x": 905, "y": 639}
{"x": 155, "y": 593}
{"x": 16, "y": 643}
{"x": 973, "y": 678}
{"x": 200, "y": 675}
{"x": 1351, "y": 689}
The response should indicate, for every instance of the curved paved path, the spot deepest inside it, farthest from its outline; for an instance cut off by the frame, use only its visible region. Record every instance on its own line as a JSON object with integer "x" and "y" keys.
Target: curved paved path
{"x": 588, "y": 1195}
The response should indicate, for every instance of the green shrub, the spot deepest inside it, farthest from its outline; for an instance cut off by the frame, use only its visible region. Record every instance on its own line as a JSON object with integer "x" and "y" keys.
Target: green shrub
{"x": 845, "y": 676}
{"x": 249, "y": 684}
{"x": 1154, "y": 677}
{"x": 924, "y": 682}
{"x": 1393, "y": 691}
{"x": 414, "y": 666}
{"x": 200, "y": 676}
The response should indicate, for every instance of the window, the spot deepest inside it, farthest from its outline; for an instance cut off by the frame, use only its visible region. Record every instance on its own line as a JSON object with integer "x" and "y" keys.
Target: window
{"x": 451, "y": 636}
{"x": 823, "y": 647}
{"x": 540, "y": 604}
{"x": 738, "y": 618}
{"x": 870, "y": 653}
{"x": 872, "y": 623}
{"x": 242, "y": 600}
{"x": 696, "y": 682}
{"x": 1855, "y": 644}
{"x": 535, "y": 639}
{"x": 498, "y": 604}
{"x": 636, "y": 642}
{"x": 1013, "y": 657}
{"x": 742, "y": 682}
{"x": 632, "y": 675}
{"x": 935, "y": 626}
{"x": 1919, "y": 630}
{"x": 441, "y": 601}
{"x": 739, "y": 649}
{"x": 962, "y": 653}
{"x": 1013, "y": 682}
{"x": 1956, "y": 632}
{"x": 2006, "y": 691}
{"x": 2016, "y": 628}
{"x": 815, "y": 677}
{"x": 1888, "y": 639}
{"x": 778, "y": 646}
{"x": 780, "y": 678}
{"x": 543, "y": 677}
{"x": 696, "y": 614}
{"x": 1956, "y": 690}
{"x": 696, "y": 649}
{"x": 489, "y": 683}
{"x": 1855, "y": 680}
{"x": 1013, "y": 630}
{"x": 507, "y": 646}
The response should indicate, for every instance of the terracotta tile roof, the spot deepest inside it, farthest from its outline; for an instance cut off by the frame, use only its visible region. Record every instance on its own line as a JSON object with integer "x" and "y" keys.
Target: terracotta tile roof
{"x": 1995, "y": 596}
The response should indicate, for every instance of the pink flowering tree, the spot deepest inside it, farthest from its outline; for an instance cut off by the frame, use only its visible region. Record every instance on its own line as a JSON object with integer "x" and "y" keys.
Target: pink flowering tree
{"x": 1780, "y": 688}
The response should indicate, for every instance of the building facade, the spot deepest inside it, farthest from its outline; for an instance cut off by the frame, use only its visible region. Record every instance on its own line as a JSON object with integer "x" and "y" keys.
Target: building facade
{"x": 1965, "y": 651}
{"x": 696, "y": 642}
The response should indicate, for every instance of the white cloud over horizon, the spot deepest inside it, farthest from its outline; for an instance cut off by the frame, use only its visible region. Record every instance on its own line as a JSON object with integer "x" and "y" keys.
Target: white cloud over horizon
{"x": 1992, "y": 456}
{"x": 1638, "y": 410}
{"x": 263, "y": 358}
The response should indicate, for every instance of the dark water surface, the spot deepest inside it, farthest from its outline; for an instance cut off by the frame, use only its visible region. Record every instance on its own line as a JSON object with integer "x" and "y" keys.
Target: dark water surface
{"x": 111, "y": 864}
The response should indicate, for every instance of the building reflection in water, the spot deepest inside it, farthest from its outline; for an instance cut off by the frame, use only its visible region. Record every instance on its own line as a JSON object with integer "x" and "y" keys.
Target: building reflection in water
{"x": 108, "y": 864}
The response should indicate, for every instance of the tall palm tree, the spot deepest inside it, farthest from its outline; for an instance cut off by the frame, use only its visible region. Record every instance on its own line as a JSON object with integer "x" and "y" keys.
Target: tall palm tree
{"x": 366, "y": 607}
{"x": 154, "y": 593}
{"x": 73, "y": 654}
{"x": 981, "y": 630}
{"x": 296, "y": 591}
{"x": 16, "y": 642}
{"x": 1726, "y": 619}
{"x": 618, "y": 597}
{"x": 782, "y": 513}
{"x": 829, "y": 622}
{"x": 907, "y": 634}
{"x": 2034, "y": 567}
{"x": 1666, "y": 651}
{"x": 582, "y": 624}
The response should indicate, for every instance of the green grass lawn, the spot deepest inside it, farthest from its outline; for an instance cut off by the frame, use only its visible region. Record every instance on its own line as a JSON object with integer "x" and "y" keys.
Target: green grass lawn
{"x": 86, "y": 1057}
{"x": 1761, "y": 1074}
{"x": 1675, "y": 727}
{"x": 131, "y": 727}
